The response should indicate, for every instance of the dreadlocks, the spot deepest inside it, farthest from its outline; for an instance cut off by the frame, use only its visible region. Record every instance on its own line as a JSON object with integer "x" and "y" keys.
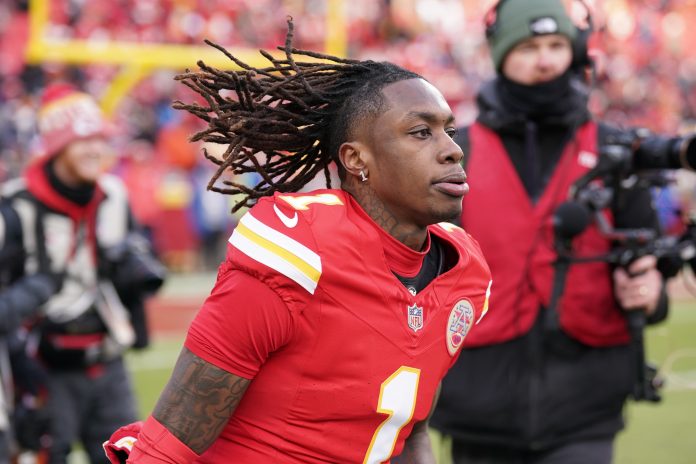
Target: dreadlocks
{"x": 284, "y": 122}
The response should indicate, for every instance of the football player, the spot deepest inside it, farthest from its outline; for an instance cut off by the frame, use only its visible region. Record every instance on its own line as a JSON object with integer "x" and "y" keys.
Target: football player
{"x": 336, "y": 312}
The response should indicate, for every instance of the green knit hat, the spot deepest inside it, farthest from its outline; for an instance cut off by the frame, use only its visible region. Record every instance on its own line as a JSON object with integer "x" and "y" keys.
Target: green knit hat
{"x": 517, "y": 20}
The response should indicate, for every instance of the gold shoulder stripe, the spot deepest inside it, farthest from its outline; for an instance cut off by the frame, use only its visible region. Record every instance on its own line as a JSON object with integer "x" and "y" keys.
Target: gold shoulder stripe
{"x": 485, "y": 303}
{"x": 277, "y": 251}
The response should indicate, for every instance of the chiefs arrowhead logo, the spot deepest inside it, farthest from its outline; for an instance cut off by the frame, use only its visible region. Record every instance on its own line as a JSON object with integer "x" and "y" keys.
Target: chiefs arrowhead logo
{"x": 460, "y": 320}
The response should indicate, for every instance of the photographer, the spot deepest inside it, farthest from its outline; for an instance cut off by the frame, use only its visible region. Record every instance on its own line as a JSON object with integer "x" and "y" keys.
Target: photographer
{"x": 544, "y": 377}
{"x": 72, "y": 222}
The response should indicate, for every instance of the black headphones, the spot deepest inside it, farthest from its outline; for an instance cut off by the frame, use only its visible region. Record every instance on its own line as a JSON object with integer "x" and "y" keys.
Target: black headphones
{"x": 581, "y": 57}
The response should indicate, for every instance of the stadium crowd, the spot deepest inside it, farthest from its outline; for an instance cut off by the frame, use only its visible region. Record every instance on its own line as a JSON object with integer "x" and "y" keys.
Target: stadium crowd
{"x": 646, "y": 76}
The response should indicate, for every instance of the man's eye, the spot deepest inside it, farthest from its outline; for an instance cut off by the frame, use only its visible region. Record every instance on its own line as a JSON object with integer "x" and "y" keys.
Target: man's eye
{"x": 451, "y": 131}
{"x": 422, "y": 133}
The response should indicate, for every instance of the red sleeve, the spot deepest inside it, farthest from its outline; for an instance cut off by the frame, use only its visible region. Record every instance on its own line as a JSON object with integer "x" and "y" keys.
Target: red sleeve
{"x": 240, "y": 324}
{"x": 157, "y": 445}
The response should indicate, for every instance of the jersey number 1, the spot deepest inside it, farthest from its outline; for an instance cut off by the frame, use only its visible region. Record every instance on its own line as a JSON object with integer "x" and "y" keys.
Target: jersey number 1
{"x": 397, "y": 398}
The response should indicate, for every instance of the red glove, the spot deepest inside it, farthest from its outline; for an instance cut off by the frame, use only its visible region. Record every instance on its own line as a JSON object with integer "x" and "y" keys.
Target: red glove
{"x": 120, "y": 443}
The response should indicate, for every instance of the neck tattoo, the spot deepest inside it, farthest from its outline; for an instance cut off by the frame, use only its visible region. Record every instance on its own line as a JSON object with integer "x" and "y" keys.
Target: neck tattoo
{"x": 412, "y": 237}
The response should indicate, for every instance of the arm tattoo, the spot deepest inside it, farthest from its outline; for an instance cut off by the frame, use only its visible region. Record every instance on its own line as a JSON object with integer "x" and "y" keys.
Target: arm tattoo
{"x": 198, "y": 401}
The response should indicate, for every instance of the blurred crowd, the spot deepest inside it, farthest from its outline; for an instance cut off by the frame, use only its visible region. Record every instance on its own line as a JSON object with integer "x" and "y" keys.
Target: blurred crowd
{"x": 645, "y": 75}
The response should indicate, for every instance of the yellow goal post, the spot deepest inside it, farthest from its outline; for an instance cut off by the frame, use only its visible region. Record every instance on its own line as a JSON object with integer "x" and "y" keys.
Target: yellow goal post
{"x": 138, "y": 60}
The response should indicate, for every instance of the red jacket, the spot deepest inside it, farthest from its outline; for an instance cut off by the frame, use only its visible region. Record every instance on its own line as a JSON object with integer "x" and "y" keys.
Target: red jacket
{"x": 517, "y": 240}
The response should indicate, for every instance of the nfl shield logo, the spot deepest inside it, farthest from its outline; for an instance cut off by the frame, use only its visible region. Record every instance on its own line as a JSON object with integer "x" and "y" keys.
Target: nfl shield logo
{"x": 415, "y": 317}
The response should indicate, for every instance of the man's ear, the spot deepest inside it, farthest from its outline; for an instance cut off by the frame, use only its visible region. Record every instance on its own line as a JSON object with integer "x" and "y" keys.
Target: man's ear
{"x": 354, "y": 157}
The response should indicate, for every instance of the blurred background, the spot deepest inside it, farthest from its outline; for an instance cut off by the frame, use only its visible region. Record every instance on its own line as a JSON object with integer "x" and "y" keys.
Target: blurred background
{"x": 126, "y": 53}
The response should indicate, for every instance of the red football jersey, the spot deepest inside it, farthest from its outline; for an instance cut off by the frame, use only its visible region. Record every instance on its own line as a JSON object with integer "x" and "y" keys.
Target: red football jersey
{"x": 344, "y": 359}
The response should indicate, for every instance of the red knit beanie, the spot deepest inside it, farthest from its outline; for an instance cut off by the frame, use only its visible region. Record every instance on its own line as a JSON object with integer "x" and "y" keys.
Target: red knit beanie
{"x": 67, "y": 115}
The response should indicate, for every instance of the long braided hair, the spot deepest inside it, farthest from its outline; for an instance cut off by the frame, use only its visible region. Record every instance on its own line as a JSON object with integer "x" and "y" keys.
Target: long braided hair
{"x": 286, "y": 121}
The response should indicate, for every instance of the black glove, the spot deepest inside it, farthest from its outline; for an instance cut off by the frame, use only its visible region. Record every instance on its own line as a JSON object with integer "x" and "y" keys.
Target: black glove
{"x": 31, "y": 427}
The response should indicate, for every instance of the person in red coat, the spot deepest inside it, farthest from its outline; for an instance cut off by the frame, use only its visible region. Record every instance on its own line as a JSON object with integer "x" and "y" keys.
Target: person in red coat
{"x": 539, "y": 380}
{"x": 73, "y": 224}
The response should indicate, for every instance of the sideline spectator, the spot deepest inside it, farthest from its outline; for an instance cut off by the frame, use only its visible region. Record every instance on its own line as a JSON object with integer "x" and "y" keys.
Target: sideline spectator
{"x": 74, "y": 224}
{"x": 540, "y": 380}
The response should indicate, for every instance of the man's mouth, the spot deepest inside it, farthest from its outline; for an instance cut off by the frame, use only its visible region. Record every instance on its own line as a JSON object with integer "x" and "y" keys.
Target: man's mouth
{"x": 453, "y": 185}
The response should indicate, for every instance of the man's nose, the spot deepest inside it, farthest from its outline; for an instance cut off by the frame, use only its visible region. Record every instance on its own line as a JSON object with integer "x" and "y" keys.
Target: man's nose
{"x": 451, "y": 152}
{"x": 544, "y": 58}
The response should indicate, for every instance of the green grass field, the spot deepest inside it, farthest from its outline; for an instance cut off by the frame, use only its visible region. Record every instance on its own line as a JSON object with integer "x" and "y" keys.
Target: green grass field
{"x": 666, "y": 432}
{"x": 662, "y": 433}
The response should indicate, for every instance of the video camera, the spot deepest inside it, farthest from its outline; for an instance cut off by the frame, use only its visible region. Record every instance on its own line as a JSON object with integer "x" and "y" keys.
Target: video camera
{"x": 629, "y": 160}
{"x": 133, "y": 265}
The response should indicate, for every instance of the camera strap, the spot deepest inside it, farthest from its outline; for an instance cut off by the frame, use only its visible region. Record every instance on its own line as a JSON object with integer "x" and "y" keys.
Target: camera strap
{"x": 114, "y": 314}
{"x": 560, "y": 272}
{"x": 39, "y": 212}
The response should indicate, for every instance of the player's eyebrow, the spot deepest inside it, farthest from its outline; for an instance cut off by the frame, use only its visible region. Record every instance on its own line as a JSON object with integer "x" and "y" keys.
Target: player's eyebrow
{"x": 428, "y": 117}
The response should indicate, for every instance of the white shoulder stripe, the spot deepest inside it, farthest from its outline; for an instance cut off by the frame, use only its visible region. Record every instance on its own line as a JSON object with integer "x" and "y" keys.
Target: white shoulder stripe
{"x": 272, "y": 260}
{"x": 277, "y": 251}
{"x": 292, "y": 245}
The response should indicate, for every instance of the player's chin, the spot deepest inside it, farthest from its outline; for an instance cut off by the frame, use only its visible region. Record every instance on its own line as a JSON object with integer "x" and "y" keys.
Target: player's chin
{"x": 447, "y": 212}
